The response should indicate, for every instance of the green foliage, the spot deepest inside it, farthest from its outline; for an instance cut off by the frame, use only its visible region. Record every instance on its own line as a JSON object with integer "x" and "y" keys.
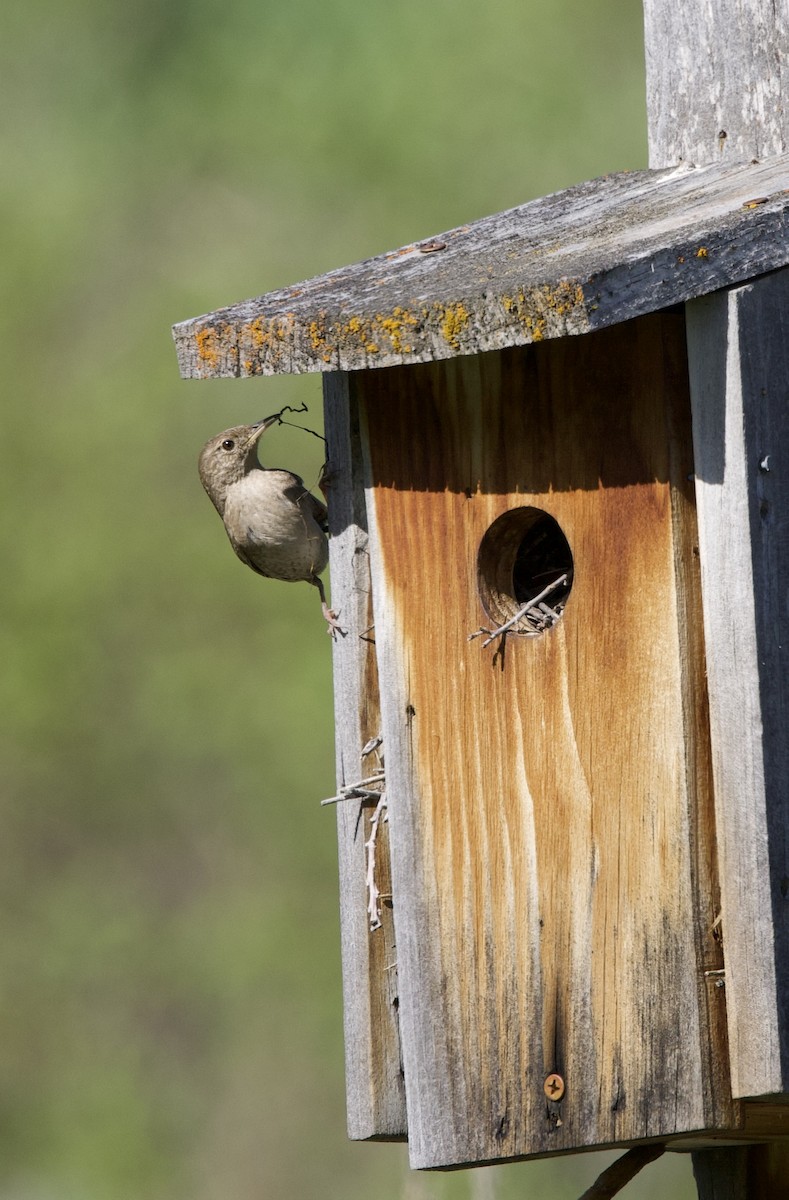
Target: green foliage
{"x": 170, "y": 996}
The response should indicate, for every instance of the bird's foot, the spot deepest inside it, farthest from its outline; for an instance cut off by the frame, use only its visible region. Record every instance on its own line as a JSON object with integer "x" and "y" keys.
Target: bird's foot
{"x": 333, "y": 626}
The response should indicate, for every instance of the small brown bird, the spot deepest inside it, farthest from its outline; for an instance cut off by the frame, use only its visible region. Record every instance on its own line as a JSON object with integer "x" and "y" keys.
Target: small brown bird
{"x": 275, "y": 525}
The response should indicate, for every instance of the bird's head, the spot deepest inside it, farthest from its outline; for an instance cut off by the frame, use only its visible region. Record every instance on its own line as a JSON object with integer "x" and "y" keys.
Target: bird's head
{"x": 230, "y": 456}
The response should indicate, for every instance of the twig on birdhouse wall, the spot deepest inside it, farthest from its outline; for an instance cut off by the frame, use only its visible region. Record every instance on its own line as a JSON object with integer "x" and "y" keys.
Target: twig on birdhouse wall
{"x": 366, "y": 790}
{"x": 374, "y": 745}
{"x": 373, "y": 894}
{"x": 537, "y": 615}
{"x": 357, "y": 791}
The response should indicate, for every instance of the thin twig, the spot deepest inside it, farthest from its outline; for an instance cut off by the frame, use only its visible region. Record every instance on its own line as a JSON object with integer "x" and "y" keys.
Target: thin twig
{"x": 373, "y": 895}
{"x": 378, "y": 777}
{"x": 614, "y": 1178}
{"x": 357, "y": 791}
{"x": 522, "y": 612}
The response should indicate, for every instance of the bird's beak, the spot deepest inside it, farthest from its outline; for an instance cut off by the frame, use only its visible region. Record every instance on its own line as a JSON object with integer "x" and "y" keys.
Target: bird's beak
{"x": 261, "y": 427}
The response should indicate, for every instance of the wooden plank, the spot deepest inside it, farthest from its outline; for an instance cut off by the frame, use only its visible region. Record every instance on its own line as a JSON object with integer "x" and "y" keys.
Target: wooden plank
{"x": 579, "y": 260}
{"x": 717, "y": 80}
{"x": 374, "y": 1080}
{"x": 552, "y": 845}
{"x": 739, "y": 371}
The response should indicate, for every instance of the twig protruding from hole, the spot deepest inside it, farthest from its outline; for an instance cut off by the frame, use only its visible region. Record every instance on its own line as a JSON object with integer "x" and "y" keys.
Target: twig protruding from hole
{"x": 538, "y": 616}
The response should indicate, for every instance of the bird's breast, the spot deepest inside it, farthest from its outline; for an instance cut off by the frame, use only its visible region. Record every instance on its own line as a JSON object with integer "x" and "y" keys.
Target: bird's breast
{"x": 273, "y": 524}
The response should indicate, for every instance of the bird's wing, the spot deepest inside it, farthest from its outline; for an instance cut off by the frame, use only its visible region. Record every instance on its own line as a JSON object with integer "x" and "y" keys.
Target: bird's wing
{"x": 319, "y": 512}
{"x": 296, "y": 491}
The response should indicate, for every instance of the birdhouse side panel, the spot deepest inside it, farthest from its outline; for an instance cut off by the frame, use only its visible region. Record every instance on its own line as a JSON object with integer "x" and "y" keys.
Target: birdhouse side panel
{"x": 550, "y": 815}
{"x": 373, "y": 1069}
{"x": 740, "y": 381}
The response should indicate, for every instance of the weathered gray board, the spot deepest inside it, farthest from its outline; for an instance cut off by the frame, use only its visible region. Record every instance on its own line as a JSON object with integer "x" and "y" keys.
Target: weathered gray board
{"x": 717, "y": 80}
{"x": 738, "y": 350}
{"x": 579, "y": 260}
{"x": 373, "y": 1062}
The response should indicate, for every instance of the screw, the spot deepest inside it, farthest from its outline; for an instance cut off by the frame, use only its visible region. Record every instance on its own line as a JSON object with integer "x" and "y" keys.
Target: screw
{"x": 553, "y": 1087}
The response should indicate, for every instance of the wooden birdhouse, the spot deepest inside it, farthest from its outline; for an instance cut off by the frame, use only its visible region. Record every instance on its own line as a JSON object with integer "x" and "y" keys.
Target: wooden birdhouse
{"x": 563, "y": 839}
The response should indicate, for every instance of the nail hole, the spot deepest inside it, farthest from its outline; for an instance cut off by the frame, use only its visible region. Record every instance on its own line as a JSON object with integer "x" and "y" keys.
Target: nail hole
{"x": 523, "y": 553}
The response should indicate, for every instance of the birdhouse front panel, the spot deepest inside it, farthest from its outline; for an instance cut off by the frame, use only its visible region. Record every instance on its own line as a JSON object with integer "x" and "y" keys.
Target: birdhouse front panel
{"x": 550, "y": 805}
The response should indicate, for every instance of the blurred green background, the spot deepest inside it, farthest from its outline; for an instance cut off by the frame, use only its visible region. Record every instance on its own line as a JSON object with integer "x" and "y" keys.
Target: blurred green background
{"x": 171, "y": 1003}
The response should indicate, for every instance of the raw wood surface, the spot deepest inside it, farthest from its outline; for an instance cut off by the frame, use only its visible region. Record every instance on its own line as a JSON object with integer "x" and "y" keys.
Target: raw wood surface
{"x": 550, "y": 809}
{"x": 717, "y": 80}
{"x": 579, "y": 260}
{"x": 738, "y": 345}
{"x": 374, "y": 1080}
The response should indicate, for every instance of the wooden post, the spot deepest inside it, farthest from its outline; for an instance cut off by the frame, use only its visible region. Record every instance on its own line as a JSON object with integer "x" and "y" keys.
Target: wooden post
{"x": 718, "y": 89}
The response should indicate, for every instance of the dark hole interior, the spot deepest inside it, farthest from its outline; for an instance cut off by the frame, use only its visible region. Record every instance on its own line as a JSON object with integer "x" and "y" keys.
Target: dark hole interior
{"x": 543, "y": 555}
{"x": 520, "y": 562}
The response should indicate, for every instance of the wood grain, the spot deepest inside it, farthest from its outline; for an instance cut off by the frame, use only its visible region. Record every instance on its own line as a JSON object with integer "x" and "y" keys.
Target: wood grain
{"x": 739, "y": 370}
{"x": 552, "y": 848}
{"x": 579, "y": 260}
{"x": 717, "y": 80}
{"x": 374, "y": 1078}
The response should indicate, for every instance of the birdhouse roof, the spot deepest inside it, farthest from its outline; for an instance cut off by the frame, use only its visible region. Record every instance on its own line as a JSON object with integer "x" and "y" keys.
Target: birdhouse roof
{"x": 581, "y": 259}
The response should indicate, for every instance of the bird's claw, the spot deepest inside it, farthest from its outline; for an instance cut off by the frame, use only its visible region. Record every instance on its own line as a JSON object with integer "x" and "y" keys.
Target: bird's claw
{"x": 333, "y": 626}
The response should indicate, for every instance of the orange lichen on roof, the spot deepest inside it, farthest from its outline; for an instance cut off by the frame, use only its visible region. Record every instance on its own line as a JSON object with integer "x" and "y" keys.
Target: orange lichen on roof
{"x": 319, "y": 340}
{"x": 207, "y": 350}
{"x": 264, "y": 341}
{"x": 216, "y": 344}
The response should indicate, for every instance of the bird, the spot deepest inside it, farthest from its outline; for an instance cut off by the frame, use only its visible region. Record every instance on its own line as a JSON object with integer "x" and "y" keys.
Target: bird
{"x": 274, "y": 523}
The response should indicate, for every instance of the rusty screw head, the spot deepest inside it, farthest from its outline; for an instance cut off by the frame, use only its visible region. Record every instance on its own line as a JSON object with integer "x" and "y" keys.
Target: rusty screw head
{"x": 553, "y": 1087}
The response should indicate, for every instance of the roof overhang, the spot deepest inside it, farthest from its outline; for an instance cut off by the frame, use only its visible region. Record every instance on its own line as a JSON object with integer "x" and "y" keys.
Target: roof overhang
{"x": 581, "y": 259}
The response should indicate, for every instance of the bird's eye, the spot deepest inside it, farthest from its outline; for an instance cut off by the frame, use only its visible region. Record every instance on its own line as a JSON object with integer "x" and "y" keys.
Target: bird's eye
{"x": 228, "y": 444}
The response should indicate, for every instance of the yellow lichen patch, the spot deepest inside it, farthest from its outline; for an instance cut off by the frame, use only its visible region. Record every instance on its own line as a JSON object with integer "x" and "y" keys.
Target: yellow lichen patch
{"x": 545, "y": 311}
{"x": 319, "y": 341}
{"x": 359, "y": 330}
{"x": 523, "y": 310}
{"x": 207, "y": 347}
{"x": 396, "y": 328}
{"x": 217, "y": 349}
{"x": 454, "y": 319}
{"x": 702, "y": 252}
{"x": 264, "y": 342}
